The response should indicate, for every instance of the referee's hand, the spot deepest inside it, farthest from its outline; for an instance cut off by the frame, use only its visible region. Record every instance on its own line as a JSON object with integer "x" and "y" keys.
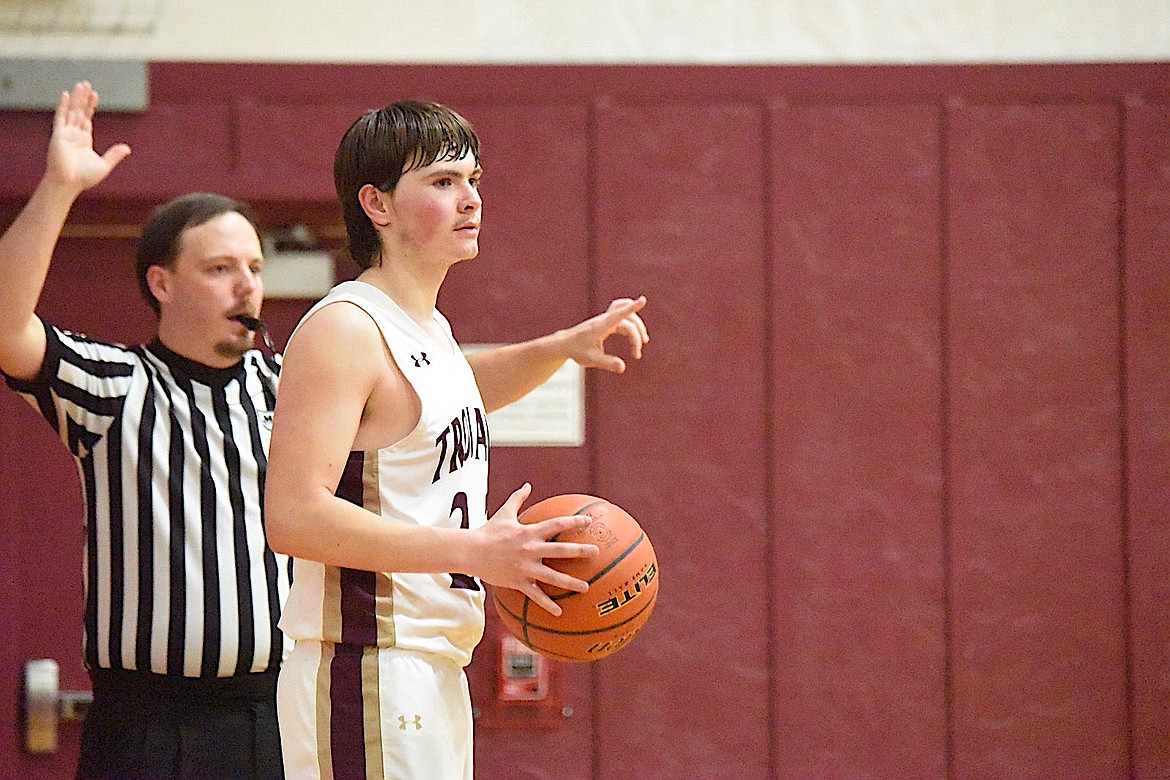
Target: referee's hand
{"x": 72, "y": 161}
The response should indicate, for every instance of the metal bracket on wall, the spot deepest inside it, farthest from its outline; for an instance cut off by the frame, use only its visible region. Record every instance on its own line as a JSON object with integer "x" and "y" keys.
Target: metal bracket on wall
{"x": 43, "y": 705}
{"x": 36, "y": 85}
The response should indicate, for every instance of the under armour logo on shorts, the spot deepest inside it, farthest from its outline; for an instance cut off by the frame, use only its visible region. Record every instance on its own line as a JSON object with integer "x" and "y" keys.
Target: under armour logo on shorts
{"x": 420, "y": 359}
{"x": 403, "y": 722}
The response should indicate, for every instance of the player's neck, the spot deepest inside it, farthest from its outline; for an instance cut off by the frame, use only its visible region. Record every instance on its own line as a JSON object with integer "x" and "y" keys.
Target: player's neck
{"x": 416, "y": 293}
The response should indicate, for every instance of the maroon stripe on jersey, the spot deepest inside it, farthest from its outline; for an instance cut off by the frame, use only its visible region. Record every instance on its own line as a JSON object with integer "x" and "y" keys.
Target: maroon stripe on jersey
{"x": 351, "y": 485}
{"x": 359, "y": 621}
{"x": 347, "y": 739}
{"x": 359, "y": 589}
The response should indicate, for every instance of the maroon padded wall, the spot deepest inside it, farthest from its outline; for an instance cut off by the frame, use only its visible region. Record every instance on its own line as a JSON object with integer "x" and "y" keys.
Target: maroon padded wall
{"x": 859, "y": 671}
{"x": 681, "y": 440}
{"x": 1146, "y": 432}
{"x": 1037, "y": 561}
{"x": 901, "y": 436}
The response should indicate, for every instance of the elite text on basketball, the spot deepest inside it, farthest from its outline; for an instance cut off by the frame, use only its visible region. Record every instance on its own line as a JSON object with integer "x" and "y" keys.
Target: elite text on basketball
{"x": 629, "y": 592}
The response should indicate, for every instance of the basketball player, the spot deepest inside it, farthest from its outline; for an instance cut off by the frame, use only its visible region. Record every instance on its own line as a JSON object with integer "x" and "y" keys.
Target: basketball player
{"x": 170, "y": 439}
{"x": 377, "y": 482}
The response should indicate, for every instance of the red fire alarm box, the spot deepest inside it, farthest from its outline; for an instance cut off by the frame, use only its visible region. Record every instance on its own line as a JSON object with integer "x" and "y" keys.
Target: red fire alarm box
{"x": 521, "y": 674}
{"x": 528, "y": 687}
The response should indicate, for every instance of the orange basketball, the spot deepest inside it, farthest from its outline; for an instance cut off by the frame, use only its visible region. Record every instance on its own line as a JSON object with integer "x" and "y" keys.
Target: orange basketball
{"x": 623, "y": 585}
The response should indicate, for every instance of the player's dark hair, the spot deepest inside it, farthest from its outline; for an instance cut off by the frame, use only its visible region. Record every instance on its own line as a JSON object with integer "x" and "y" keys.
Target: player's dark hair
{"x": 385, "y": 143}
{"x": 159, "y": 242}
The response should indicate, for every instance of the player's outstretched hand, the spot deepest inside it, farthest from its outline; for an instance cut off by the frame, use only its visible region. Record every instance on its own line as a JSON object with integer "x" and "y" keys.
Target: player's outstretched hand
{"x": 585, "y": 342}
{"x": 72, "y": 161}
{"x": 511, "y": 553}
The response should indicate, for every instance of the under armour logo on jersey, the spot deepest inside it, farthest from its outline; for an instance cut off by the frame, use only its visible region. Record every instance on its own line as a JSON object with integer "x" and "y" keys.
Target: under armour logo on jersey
{"x": 420, "y": 360}
{"x": 403, "y": 722}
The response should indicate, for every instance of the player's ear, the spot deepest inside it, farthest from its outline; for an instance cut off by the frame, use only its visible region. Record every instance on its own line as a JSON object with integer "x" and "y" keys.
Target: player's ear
{"x": 373, "y": 202}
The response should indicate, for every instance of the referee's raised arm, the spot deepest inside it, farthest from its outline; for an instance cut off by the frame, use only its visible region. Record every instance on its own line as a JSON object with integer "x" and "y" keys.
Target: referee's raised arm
{"x": 26, "y": 248}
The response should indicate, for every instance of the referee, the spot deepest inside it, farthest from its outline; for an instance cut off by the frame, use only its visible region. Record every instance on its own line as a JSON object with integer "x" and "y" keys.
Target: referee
{"x": 182, "y": 592}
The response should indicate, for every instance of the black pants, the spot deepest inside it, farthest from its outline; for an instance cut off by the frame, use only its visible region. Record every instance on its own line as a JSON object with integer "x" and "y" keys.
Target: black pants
{"x": 145, "y": 726}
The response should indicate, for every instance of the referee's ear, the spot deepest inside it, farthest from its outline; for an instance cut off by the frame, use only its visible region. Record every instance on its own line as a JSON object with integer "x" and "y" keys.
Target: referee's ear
{"x": 158, "y": 279}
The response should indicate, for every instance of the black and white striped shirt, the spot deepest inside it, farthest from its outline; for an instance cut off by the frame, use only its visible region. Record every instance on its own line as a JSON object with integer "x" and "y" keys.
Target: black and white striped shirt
{"x": 172, "y": 454}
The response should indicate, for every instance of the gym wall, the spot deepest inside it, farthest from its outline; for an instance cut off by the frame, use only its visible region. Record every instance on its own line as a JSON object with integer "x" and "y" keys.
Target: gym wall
{"x": 901, "y": 436}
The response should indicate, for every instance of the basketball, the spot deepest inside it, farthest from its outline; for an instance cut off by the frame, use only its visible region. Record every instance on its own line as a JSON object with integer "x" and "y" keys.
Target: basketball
{"x": 623, "y": 585}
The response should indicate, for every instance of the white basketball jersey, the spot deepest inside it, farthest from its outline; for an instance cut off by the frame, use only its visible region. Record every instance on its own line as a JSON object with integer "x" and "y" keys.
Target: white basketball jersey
{"x": 436, "y": 476}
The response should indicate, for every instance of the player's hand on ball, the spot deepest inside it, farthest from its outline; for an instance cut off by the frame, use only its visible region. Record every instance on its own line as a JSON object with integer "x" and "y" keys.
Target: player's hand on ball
{"x": 622, "y": 577}
{"x": 512, "y": 554}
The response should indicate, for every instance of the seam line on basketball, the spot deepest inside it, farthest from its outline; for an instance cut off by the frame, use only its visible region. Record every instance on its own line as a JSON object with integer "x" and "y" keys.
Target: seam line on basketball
{"x": 606, "y": 570}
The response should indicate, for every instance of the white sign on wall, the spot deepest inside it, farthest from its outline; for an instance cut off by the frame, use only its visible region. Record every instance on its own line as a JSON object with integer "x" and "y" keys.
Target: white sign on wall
{"x": 552, "y": 415}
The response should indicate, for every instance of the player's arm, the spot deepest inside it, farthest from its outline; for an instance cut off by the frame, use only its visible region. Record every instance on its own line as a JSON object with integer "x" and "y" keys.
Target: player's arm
{"x": 26, "y": 248}
{"x": 509, "y": 373}
{"x": 332, "y": 401}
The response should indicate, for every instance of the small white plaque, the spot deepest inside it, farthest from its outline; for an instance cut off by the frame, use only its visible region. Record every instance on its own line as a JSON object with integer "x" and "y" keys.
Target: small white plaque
{"x": 297, "y": 274}
{"x": 552, "y": 415}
